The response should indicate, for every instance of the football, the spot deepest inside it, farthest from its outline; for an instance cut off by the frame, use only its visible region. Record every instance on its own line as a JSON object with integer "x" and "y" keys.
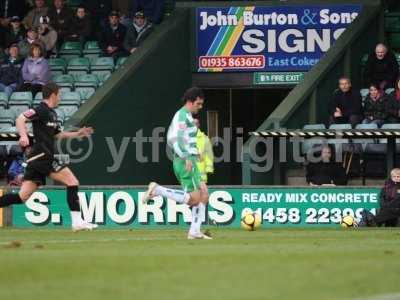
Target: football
{"x": 250, "y": 220}
{"x": 348, "y": 221}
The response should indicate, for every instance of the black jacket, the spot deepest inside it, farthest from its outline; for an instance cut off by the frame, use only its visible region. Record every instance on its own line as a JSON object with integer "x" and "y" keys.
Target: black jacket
{"x": 61, "y": 22}
{"x": 386, "y": 69}
{"x": 326, "y": 173}
{"x": 114, "y": 38}
{"x": 134, "y": 38}
{"x": 377, "y": 109}
{"x": 10, "y": 72}
{"x": 81, "y": 27}
{"x": 350, "y": 103}
{"x": 12, "y": 37}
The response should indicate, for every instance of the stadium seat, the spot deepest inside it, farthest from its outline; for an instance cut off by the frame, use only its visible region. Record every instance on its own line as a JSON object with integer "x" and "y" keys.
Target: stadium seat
{"x": 64, "y": 81}
{"x": 314, "y": 126}
{"x": 392, "y": 22}
{"x": 70, "y": 102}
{"x": 102, "y": 64}
{"x": 70, "y": 50}
{"x": 340, "y": 126}
{"x": 85, "y": 92}
{"x": 4, "y": 127}
{"x": 389, "y": 91}
{"x": 57, "y": 65}
{"x": 78, "y": 66}
{"x": 7, "y": 117}
{"x": 364, "y": 93}
{"x": 60, "y": 116}
{"x": 20, "y": 102}
{"x": 38, "y": 99}
{"x": 120, "y": 62}
{"x": 86, "y": 80}
{"x": 102, "y": 76}
{"x": 3, "y": 100}
{"x": 92, "y": 50}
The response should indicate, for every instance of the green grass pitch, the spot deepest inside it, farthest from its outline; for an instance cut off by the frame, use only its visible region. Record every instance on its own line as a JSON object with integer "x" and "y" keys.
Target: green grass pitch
{"x": 162, "y": 264}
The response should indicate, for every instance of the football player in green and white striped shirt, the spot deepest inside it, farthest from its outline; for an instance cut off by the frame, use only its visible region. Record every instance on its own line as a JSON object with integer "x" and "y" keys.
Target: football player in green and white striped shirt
{"x": 181, "y": 138}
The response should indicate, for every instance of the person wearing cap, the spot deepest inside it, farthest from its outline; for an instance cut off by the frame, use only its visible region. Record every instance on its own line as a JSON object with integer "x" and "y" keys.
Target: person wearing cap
{"x": 10, "y": 71}
{"x": 47, "y": 35}
{"x": 137, "y": 32}
{"x": 15, "y": 33}
{"x": 32, "y": 19}
{"x": 81, "y": 26}
{"x": 111, "y": 40}
{"x": 32, "y": 36}
{"x": 60, "y": 19}
{"x": 154, "y": 9}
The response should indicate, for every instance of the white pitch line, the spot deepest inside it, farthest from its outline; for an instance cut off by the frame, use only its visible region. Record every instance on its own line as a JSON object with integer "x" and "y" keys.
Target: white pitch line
{"x": 72, "y": 241}
{"x": 380, "y": 297}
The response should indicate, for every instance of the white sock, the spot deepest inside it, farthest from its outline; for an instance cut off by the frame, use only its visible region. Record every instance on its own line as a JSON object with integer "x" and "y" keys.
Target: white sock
{"x": 196, "y": 220}
{"x": 76, "y": 217}
{"x": 177, "y": 195}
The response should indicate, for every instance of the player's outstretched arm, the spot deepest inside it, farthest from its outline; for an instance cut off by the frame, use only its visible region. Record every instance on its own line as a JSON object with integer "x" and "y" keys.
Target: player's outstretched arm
{"x": 82, "y": 132}
{"x": 20, "y": 123}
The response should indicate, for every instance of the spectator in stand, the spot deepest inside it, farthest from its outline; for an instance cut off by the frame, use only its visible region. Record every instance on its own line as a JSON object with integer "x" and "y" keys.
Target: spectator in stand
{"x": 10, "y": 71}
{"x": 48, "y": 36}
{"x": 375, "y": 106}
{"x": 11, "y": 8}
{"x": 346, "y": 104}
{"x": 112, "y": 38}
{"x": 327, "y": 171}
{"x": 382, "y": 68}
{"x": 32, "y": 37}
{"x": 137, "y": 32}
{"x": 15, "y": 32}
{"x": 36, "y": 71}
{"x": 61, "y": 20}
{"x": 32, "y": 19}
{"x": 81, "y": 26}
{"x": 101, "y": 10}
{"x": 153, "y": 9}
{"x": 16, "y": 171}
{"x": 124, "y": 8}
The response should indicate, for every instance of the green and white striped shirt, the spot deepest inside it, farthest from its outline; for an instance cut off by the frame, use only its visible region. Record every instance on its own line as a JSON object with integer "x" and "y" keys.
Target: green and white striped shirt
{"x": 182, "y": 133}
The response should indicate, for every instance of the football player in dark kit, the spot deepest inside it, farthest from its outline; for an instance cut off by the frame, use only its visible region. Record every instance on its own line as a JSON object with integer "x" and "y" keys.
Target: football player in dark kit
{"x": 40, "y": 159}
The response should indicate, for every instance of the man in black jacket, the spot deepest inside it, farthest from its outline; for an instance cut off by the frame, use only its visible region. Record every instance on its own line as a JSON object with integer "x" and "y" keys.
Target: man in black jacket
{"x": 382, "y": 68}
{"x": 346, "y": 104}
{"x": 81, "y": 26}
{"x": 15, "y": 32}
{"x": 60, "y": 20}
{"x": 112, "y": 37}
{"x": 326, "y": 171}
{"x": 137, "y": 32}
{"x": 10, "y": 71}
